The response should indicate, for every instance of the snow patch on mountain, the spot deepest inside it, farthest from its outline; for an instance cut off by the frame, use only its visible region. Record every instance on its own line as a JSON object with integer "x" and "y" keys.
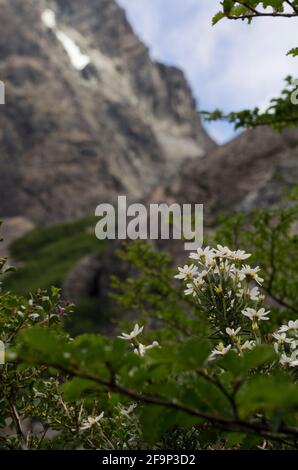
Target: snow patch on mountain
{"x": 77, "y": 58}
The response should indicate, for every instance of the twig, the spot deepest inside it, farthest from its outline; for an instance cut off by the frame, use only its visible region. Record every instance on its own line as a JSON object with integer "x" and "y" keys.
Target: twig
{"x": 215, "y": 381}
{"x": 17, "y": 422}
{"x": 259, "y": 14}
{"x": 218, "y": 421}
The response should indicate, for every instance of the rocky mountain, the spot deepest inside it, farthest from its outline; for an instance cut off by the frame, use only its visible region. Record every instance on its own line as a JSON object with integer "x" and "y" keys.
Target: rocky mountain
{"x": 256, "y": 169}
{"x": 88, "y": 114}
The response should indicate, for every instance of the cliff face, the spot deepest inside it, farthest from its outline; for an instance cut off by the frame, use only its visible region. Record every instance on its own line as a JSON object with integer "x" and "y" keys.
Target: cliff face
{"x": 254, "y": 170}
{"x": 88, "y": 114}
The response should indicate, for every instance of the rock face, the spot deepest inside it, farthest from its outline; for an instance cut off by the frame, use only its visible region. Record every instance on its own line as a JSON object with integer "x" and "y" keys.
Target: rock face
{"x": 256, "y": 169}
{"x": 72, "y": 136}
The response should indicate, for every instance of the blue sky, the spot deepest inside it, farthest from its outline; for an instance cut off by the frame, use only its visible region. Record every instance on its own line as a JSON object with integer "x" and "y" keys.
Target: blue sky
{"x": 229, "y": 66}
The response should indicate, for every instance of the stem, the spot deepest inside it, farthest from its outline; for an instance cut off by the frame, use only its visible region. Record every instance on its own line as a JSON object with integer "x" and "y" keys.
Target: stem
{"x": 284, "y": 432}
{"x": 18, "y": 424}
{"x": 215, "y": 381}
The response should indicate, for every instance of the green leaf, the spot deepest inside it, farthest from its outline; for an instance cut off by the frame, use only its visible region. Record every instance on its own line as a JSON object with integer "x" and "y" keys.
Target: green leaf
{"x": 293, "y": 51}
{"x": 227, "y": 6}
{"x": 268, "y": 393}
{"x": 239, "y": 366}
{"x": 157, "y": 421}
{"x": 217, "y": 17}
{"x": 251, "y": 441}
{"x": 42, "y": 346}
{"x": 193, "y": 353}
{"x": 234, "y": 439}
{"x": 260, "y": 356}
{"x": 76, "y": 389}
{"x": 188, "y": 356}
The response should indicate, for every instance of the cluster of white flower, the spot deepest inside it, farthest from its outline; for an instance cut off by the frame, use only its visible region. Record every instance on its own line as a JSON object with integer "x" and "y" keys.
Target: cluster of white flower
{"x": 138, "y": 348}
{"x": 221, "y": 262}
{"x": 286, "y": 344}
{"x": 95, "y": 421}
{"x": 221, "y": 284}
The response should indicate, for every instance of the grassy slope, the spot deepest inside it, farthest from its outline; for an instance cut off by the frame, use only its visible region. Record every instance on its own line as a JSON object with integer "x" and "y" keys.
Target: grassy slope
{"x": 45, "y": 255}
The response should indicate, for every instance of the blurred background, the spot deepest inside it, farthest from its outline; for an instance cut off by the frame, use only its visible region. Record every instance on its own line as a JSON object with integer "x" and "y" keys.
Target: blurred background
{"x": 103, "y": 99}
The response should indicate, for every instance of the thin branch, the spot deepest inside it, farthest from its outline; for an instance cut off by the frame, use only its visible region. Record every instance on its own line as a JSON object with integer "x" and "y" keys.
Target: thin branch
{"x": 247, "y": 6}
{"x": 18, "y": 424}
{"x": 218, "y": 421}
{"x": 281, "y": 302}
{"x": 273, "y": 14}
{"x": 45, "y": 430}
{"x": 215, "y": 381}
{"x": 292, "y": 6}
{"x": 266, "y": 122}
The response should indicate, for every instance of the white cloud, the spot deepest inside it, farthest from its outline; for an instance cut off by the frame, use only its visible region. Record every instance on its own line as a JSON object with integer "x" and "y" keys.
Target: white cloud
{"x": 232, "y": 65}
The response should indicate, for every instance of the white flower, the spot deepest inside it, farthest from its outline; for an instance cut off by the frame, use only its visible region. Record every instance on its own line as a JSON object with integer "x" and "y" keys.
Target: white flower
{"x": 201, "y": 277}
{"x": 205, "y": 255}
{"x": 231, "y": 332}
{"x": 34, "y": 316}
{"x": 190, "y": 290}
{"x": 141, "y": 349}
{"x": 282, "y": 338}
{"x": 239, "y": 255}
{"x": 256, "y": 315}
{"x": 294, "y": 344}
{"x": 133, "y": 334}
{"x": 196, "y": 283}
{"x": 187, "y": 272}
{"x": 220, "y": 350}
{"x": 248, "y": 345}
{"x": 289, "y": 361}
{"x": 129, "y": 410}
{"x": 292, "y": 325}
{"x": 38, "y": 394}
{"x": 223, "y": 252}
{"x": 200, "y": 280}
{"x": 248, "y": 271}
{"x": 233, "y": 271}
{"x": 90, "y": 421}
{"x": 254, "y": 294}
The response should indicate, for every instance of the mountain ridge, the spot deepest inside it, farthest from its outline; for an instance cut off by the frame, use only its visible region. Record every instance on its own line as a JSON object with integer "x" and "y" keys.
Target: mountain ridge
{"x": 70, "y": 138}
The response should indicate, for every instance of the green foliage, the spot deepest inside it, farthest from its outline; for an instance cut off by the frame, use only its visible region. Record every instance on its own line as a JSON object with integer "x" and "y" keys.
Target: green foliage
{"x": 186, "y": 391}
{"x": 280, "y": 114}
{"x": 152, "y": 295}
{"x": 251, "y": 9}
{"x": 271, "y": 236}
{"x": 293, "y": 52}
{"x": 56, "y": 250}
{"x": 282, "y": 111}
{"x": 97, "y": 392}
